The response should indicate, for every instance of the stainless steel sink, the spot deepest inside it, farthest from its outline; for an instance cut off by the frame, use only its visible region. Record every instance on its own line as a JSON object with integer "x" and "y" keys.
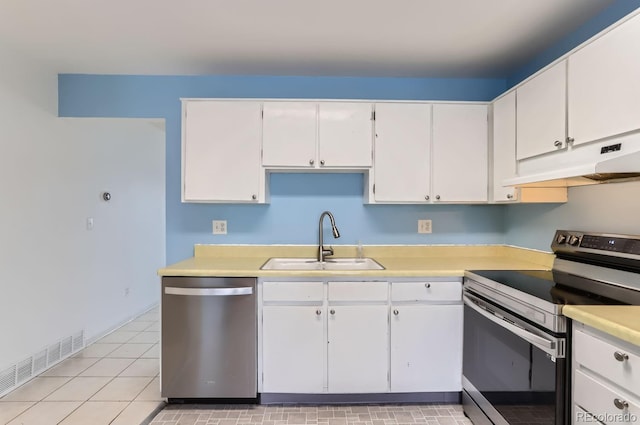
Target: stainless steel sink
{"x": 328, "y": 264}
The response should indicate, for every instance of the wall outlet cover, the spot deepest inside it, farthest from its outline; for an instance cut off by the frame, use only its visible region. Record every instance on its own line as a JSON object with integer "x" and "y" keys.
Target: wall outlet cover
{"x": 424, "y": 226}
{"x": 219, "y": 227}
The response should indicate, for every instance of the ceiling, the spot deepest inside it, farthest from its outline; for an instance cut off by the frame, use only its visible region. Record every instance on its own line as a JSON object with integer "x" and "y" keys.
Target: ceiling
{"x": 401, "y": 38}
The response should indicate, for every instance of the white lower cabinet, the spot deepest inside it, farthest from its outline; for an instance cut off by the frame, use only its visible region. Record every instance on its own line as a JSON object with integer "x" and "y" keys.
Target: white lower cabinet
{"x": 606, "y": 382}
{"x": 358, "y": 349}
{"x": 426, "y": 348}
{"x": 360, "y": 337}
{"x": 293, "y": 349}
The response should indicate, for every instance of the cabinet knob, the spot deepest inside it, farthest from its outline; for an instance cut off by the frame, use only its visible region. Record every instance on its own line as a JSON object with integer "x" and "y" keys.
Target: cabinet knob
{"x": 438, "y": 197}
{"x": 318, "y": 312}
{"x": 396, "y": 312}
{"x": 509, "y": 196}
{"x": 311, "y": 162}
{"x": 427, "y": 285}
{"x": 322, "y": 162}
{"x": 557, "y": 144}
{"x": 332, "y": 311}
{"x": 620, "y": 404}
{"x": 570, "y": 139}
{"x": 427, "y": 198}
{"x": 620, "y": 356}
{"x": 254, "y": 197}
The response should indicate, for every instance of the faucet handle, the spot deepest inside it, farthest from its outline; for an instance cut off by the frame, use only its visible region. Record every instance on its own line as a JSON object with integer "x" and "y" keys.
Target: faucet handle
{"x": 327, "y": 251}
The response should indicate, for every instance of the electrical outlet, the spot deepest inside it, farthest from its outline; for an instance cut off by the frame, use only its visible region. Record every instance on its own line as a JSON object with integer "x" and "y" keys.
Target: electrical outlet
{"x": 89, "y": 223}
{"x": 424, "y": 226}
{"x": 219, "y": 227}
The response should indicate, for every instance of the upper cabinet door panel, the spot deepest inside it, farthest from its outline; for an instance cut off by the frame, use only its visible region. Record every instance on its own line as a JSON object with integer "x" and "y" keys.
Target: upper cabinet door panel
{"x": 345, "y": 134}
{"x": 221, "y": 149}
{"x": 541, "y": 113}
{"x": 460, "y": 153}
{"x": 289, "y": 134}
{"x": 604, "y": 85}
{"x": 402, "y": 152}
{"x": 504, "y": 146}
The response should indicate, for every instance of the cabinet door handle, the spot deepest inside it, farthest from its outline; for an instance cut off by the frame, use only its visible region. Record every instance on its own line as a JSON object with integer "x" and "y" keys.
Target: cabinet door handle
{"x": 318, "y": 312}
{"x": 254, "y": 197}
{"x": 427, "y": 285}
{"x": 396, "y": 312}
{"x": 332, "y": 311}
{"x": 438, "y": 197}
{"x": 311, "y": 162}
{"x": 557, "y": 144}
{"x": 426, "y": 197}
{"x": 620, "y": 404}
{"x": 570, "y": 139}
{"x": 620, "y": 356}
{"x": 509, "y": 196}
{"x": 322, "y": 162}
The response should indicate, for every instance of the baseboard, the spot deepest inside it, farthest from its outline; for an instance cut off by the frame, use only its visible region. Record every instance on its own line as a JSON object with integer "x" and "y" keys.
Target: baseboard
{"x": 434, "y": 397}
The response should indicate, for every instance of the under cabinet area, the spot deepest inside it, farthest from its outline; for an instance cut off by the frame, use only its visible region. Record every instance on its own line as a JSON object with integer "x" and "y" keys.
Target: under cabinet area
{"x": 606, "y": 378}
{"x": 360, "y": 337}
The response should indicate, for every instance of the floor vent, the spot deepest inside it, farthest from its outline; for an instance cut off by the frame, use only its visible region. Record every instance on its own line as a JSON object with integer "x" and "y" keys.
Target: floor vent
{"x": 7, "y": 379}
{"x": 34, "y": 365}
{"x": 39, "y": 362}
{"x": 25, "y": 370}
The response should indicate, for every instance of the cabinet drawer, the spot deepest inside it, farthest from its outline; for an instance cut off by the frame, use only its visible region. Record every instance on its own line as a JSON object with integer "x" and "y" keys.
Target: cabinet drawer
{"x": 600, "y": 400}
{"x": 293, "y": 291}
{"x": 358, "y": 291}
{"x": 426, "y": 291}
{"x": 600, "y": 356}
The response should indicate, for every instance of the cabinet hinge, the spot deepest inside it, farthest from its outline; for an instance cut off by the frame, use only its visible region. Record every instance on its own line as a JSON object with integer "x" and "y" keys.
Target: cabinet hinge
{"x": 373, "y": 115}
{"x": 262, "y": 113}
{"x": 374, "y": 188}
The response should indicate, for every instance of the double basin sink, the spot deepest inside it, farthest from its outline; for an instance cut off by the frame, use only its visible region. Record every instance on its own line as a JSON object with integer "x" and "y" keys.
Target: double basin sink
{"x": 328, "y": 264}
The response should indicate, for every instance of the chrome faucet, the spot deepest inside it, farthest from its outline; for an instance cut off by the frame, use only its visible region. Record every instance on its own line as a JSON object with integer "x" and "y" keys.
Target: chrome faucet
{"x": 322, "y": 251}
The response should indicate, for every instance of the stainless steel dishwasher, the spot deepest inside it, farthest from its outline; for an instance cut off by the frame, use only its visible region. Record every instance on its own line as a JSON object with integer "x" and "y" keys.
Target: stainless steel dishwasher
{"x": 209, "y": 335}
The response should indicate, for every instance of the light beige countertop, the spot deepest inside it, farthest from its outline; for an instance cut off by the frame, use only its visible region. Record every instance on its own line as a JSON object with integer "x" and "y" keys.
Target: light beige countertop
{"x": 621, "y": 321}
{"x": 399, "y": 261}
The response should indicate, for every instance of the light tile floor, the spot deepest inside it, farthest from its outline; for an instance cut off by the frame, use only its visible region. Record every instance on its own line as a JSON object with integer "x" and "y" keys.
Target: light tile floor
{"x": 113, "y": 381}
{"x": 430, "y": 414}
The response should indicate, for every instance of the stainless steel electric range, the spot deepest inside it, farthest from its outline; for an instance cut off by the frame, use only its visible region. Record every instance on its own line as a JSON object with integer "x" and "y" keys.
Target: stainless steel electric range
{"x": 516, "y": 340}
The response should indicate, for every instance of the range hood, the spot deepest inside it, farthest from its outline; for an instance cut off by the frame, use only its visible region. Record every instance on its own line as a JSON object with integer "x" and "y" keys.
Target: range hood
{"x": 621, "y": 168}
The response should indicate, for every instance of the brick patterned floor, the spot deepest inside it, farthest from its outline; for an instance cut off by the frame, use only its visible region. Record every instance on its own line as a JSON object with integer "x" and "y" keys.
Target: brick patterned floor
{"x": 431, "y": 414}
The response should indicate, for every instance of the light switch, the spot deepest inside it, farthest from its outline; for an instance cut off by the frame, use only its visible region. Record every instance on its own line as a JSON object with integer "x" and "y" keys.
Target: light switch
{"x": 89, "y": 223}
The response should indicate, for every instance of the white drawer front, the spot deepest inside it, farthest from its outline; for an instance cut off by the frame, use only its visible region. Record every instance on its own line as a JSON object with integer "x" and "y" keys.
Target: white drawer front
{"x": 600, "y": 356}
{"x": 293, "y": 291}
{"x": 426, "y": 291}
{"x": 600, "y": 400}
{"x": 358, "y": 291}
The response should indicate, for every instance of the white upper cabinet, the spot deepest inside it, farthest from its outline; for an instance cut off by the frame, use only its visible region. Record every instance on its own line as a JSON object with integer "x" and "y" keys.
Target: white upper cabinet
{"x": 541, "y": 113}
{"x": 604, "y": 88}
{"x": 345, "y": 134}
{"x": 221, "y": 151}
{"x": 504, "y": 147}
{"x": 460, "y": 156}
{"x": 289, "y": 131}
{"x": 402, "y": 164}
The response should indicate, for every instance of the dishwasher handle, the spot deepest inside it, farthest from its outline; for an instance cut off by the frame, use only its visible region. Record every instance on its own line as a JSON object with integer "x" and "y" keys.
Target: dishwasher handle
{"x": 209, "y": 292}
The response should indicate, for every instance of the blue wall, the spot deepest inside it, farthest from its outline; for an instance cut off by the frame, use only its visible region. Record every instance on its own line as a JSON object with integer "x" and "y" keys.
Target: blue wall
{"x": 617, "y": 10}
{"x": 296, "y": 199}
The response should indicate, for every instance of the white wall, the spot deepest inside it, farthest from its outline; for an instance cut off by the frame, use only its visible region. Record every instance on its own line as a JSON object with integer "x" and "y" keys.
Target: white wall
{"x": 611, "y": 208}
{"x": 57, "y": 278}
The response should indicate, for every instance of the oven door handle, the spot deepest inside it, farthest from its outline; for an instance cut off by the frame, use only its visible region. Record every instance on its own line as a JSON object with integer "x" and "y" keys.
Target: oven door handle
{"x": 548, "y": 346}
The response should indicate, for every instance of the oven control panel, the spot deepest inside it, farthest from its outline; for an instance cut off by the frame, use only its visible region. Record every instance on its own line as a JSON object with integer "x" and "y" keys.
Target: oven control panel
{"x": 573, "y": 241}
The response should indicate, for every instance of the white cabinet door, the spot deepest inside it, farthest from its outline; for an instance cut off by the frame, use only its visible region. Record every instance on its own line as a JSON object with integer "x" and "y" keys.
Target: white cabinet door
{"x": 460, "y": 157}
{"x": 426, "y": 348}
{"x": 345, "y": 134}
{"x": 402, "y": 161}
{"x": 289, "y": 134}
{"x": 358, "y": 354}
{"x": 504, "y": 147}
{"x": 221, "y": 151}
{"x": 293, "y": 349}
{"x": 541, "y": 113}
{"x": 604, "y": 93}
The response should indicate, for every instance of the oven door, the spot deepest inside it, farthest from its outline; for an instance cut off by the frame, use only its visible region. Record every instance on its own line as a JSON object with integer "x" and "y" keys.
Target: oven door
{"x": 513, "y": 372}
